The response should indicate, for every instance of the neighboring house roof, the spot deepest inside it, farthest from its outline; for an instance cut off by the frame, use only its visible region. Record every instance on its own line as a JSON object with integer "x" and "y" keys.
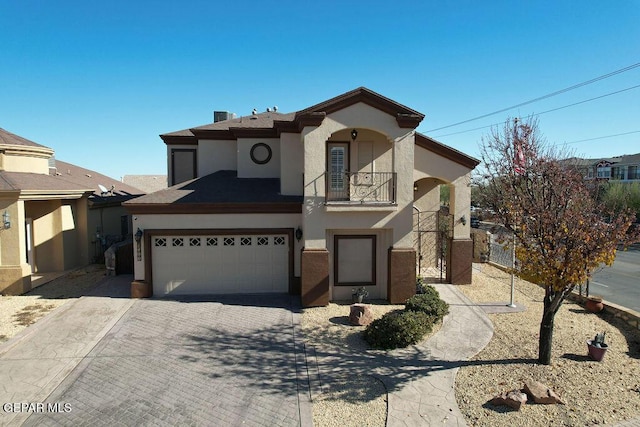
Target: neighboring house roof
{"x": 219, "y": 192}
{"x": 38, "y": 182}
{"x": 8, "y": 138}
{"x": 627, "y": 159}
{"x": 146, "y": 183}
{"x": 271, "y": 124}
{"x": 117, "y": 191}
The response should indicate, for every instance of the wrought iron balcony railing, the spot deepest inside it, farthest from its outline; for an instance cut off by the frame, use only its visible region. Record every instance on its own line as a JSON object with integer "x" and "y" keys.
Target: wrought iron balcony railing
{"x": 361, "y": 187}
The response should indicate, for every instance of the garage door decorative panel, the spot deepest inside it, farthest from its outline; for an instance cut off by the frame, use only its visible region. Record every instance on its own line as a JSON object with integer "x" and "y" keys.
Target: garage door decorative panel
{"x": 220, "y": 264}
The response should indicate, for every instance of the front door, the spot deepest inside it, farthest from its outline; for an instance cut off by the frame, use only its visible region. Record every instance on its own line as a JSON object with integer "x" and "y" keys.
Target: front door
{"x": 338, "y": 168}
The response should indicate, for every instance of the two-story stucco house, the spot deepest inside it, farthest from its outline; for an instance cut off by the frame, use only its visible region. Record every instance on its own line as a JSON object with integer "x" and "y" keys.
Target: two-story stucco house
{"x": 314, "y": 202}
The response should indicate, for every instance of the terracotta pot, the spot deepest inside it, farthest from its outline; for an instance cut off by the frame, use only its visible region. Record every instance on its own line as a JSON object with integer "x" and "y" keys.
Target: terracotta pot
{"x": 596, "y": 353}
{"x": 594, "y": 305}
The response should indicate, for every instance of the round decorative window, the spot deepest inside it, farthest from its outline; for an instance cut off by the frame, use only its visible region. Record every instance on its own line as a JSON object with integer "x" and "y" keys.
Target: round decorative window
{"x": 261, "y": 153}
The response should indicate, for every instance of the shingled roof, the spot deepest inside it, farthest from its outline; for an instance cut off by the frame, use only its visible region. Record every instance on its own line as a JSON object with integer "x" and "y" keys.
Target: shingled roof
{"x": 218, "y": 192}
{"x": 270, "y": 124}
{"x": 8, "y": 138}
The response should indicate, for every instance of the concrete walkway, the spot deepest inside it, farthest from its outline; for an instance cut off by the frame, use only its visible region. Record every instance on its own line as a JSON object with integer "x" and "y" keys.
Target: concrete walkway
{"x": 35, "y": 361}
{"x": 429, "y": 398}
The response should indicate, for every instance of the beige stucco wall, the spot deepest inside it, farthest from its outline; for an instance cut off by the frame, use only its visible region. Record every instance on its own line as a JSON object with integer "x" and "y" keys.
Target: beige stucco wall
{"x": 218, "y": 221}
{"x": 215, "y": 155}
{"x": 11, "y": 239}
{"x": 431, "y": 165}
{"x": 21, "y": 162}
{"x": 47, "y": 234}
{"x": 374, "y": 125}
{"x": 248, "y": 169}
{"x": 59, "y": 240}
{"x": 291, "y": 164}
{"x": 460, "y": 206}
{"x": 384, "y": 239}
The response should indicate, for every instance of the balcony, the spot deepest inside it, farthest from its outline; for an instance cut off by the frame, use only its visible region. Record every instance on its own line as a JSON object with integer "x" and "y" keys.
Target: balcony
{"x": 361, "y": 188}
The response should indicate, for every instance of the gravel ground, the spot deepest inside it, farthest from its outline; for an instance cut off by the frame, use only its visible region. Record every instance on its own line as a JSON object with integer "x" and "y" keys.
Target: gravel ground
{"x": 347, "y": 398}
{"x": 595, "y": 393}
{"x": 18, "y": 312}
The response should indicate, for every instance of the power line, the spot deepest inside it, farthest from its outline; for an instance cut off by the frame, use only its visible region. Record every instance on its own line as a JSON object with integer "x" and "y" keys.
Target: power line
{"x": 599, "y": 137}
{"x": 544, "y": 112}
{"x": 558, "y": 92}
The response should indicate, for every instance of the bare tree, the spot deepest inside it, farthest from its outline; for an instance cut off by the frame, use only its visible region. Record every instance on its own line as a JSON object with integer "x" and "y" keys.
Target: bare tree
{"x": 562, "y": 233}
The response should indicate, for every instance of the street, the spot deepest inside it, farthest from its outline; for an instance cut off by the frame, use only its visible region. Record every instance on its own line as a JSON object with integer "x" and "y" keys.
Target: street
{"x": 620, "y": 283}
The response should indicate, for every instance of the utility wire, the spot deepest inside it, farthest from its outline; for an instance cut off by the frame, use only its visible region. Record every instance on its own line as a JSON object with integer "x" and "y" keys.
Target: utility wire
{"x": 599, "y": 137}
{"x": 544, "y": 112}
{"x": 558, "y": 92}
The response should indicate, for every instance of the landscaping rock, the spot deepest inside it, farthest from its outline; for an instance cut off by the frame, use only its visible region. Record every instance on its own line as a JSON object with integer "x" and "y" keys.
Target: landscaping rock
{"x": 360, "y": 315}
{"x": 542, "y": 394}
{"x": 514, "y": 399}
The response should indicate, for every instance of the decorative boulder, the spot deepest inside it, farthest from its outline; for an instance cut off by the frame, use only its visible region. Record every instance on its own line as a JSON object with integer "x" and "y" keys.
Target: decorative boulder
{"x": 514, "y": 399}
{"x": 360, "y": 314}
{"x": 540, "y": 393}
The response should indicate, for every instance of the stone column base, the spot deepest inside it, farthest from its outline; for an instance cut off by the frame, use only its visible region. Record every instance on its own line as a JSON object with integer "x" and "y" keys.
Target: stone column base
{"x": 15, "y": 280}
{"x": 461, "y": 262}
{"x": 401, "y": 283}
{"x": 314, "y": 277}
{"x": 141, "y": 289}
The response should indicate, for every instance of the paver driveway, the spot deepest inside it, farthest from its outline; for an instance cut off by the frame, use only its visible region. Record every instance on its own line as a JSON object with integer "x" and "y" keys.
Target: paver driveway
{"x": 229, "y": 361}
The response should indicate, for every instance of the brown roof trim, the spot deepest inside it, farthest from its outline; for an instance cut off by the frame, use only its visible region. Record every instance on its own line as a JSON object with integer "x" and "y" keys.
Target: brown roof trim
{"x": 369, "y": 97}
{"x": 445, "y": 151}
{"x": 312, "y": 116}
{"x": 213, "y": 208}
{"x": 179, "y": 140}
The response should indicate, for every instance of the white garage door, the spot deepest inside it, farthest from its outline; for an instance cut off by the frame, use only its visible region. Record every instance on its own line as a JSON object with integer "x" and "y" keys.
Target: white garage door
{"x": 220, "y": 264}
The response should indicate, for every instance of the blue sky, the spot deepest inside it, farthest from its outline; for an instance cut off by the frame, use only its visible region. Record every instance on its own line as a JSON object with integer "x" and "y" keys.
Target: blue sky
{"x": 99, "y": 81}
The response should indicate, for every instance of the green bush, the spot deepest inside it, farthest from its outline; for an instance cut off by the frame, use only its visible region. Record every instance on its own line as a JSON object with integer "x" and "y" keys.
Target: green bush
{"x": 429, "y": 303}
{"x": 397, "y": 329}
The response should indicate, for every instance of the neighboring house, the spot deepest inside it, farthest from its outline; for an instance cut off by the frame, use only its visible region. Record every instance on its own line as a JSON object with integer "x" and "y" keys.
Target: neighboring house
{"x": 52, "y": 213}
{"x": 623, "y": 168}
{"x": 315, "y": 202}
{"x": 146, "y": 183}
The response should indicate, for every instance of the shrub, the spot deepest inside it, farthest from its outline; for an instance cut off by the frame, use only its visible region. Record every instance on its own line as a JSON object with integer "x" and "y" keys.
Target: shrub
{"x": 397, "y": 329}
{"x": 429, "y": 303}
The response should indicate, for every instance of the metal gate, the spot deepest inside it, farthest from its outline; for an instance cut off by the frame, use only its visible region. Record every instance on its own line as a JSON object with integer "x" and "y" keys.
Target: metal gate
{"x": 432, "y": 234}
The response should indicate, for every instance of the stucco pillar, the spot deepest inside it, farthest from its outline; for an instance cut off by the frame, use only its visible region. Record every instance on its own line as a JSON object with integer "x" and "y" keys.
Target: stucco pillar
{"x": 402, "y": 275}
{"x": 15, "y": 273}
{"x": 460, "y": 266}
{"x": 314, "y": 277}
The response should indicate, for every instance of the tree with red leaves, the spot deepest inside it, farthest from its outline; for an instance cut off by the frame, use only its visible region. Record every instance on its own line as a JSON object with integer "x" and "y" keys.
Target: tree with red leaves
{"x": 562, "y": 233}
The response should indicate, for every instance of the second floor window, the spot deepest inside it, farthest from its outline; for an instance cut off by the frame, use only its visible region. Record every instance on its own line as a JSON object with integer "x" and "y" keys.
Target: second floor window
{"x": 183, "y": 165}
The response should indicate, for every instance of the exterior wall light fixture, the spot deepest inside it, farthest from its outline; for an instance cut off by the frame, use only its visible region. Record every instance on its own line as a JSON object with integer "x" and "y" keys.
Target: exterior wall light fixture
{"x": 298, "y": 233}
{"x": 463, "y": 220}
{"x": 138, "y": 237}
{"x": 354, "y": 134}
{"x": 6, "y": 220}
